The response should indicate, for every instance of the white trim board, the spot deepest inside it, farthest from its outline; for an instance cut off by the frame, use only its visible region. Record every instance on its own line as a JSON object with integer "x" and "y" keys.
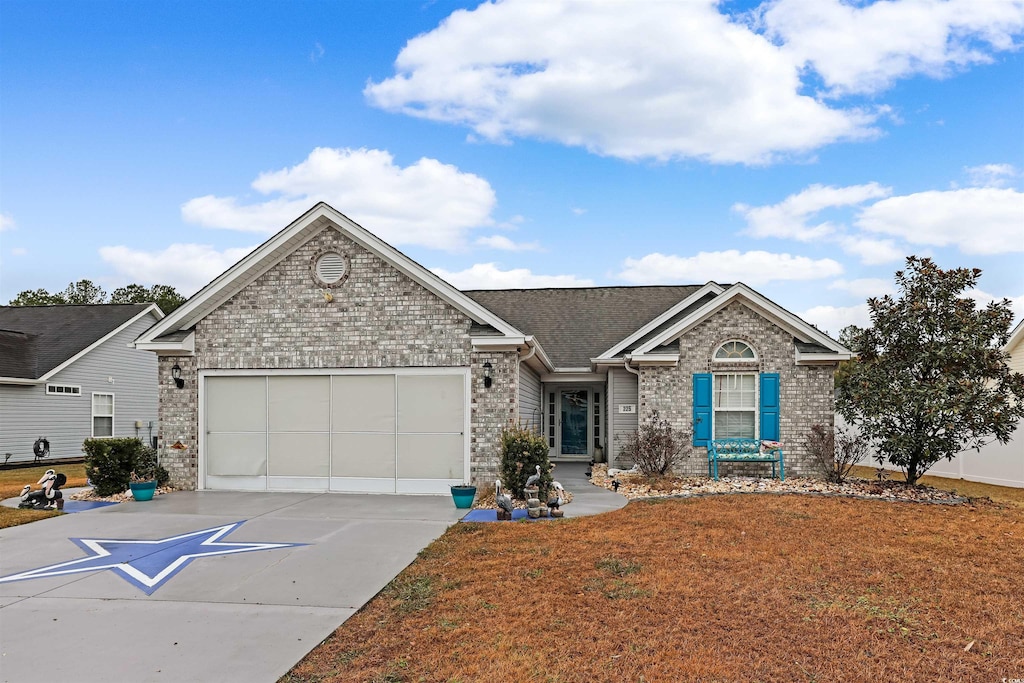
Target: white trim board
{"x": 769, "y": 309}
{"x": 285, "y": 242}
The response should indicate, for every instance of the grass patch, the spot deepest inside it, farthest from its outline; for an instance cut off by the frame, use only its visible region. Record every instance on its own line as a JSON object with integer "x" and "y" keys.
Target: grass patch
{"x": 411, "y": 593}
{"x": 827, "y": 588}
{"x": 618, "y": 567}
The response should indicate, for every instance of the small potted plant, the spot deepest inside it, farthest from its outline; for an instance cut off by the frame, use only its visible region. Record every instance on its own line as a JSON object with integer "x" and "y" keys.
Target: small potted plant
{"x": 463, "y": 495}
{"x": 142, "y": 481}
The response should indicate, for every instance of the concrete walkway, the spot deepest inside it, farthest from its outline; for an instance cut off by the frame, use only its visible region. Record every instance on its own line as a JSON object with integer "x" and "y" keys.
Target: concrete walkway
{"x": 233, "y": 603}
{"x": 587, "y": 499}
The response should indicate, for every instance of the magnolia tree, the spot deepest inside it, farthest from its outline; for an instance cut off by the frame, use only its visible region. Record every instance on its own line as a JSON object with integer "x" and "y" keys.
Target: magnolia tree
{"x": 930, "y": 378}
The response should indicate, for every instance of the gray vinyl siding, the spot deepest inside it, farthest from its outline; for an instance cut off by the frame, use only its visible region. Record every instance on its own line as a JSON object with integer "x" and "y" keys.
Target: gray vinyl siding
{"x": 27, "y": 412}
{"x": 623, "y": 391}
{"x": 531, "y": 412}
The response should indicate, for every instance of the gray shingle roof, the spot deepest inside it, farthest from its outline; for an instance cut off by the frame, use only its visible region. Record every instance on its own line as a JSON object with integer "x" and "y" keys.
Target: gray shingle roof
{"x": 577, "y": 324}
{"x": 51, "y": 335}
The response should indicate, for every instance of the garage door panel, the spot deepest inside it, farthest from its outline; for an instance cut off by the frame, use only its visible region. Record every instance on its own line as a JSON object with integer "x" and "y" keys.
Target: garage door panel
{"x": 299, "y": 455}
{"x": 299, "y": 404}
{"x": 431, "y": 403}
{"x": 381, "y": 432}
{"x": 363, "y": 403}
{"x": 236, "y": 404}
{"x": 236, "y": 454}
{"x": 363, "y": 455}
{"x": 431, "y": 456}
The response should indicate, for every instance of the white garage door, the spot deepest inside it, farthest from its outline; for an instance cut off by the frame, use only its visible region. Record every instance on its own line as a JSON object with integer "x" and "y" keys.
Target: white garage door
{"x": 387, "y": 432}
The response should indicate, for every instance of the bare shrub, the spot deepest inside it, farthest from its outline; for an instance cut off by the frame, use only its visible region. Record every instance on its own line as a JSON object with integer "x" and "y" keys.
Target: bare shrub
{"x": 655, "y": 446}
{"x": 836, "y": 450}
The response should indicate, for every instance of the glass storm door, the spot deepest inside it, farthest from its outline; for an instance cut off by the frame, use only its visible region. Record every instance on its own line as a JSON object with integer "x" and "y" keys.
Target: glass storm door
{"x": 575, "y": 419}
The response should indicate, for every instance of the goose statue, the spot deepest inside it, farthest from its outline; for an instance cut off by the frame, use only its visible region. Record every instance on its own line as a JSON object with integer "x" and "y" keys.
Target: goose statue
{"x": 502, "y": 500}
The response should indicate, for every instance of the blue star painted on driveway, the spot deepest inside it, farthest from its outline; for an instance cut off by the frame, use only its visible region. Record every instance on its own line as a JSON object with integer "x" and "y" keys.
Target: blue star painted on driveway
{"x": 148, "y": 564}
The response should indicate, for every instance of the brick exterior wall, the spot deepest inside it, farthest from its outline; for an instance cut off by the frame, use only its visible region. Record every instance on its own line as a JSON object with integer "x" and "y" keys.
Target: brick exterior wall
{"x": 806, "y": 392}
{"x": 379, "y": 318}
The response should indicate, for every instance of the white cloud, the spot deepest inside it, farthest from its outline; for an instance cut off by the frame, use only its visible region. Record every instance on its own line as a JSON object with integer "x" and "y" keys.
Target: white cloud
{"x": 428, "y": 203}
{"x": 187, "y": 267}
{"x": 865, "y": 287}
{"x": 505, "y": 244}
{"x": 751, "y": 267}
{"x": 832, "y": 319}
{"x": 990, "y": 175}
{"x": 789, "y": 218}
{"x": 861, "y": 47}
{"x": 578, "y": 211}
{"x": 19, "y": 251}
{"x": 6, "y": 222}
{"x": 489, "y": 276}
{"x": 871, "y": 251}
{"x": 975, "y": 220}
{"x": 675, "y": 80}
{"x": 316, "y": 53}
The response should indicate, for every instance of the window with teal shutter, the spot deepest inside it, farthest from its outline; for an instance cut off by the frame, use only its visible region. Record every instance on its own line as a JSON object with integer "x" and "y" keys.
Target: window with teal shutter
{"x": 770, "y": 406}
{"x": 701, "y": 409}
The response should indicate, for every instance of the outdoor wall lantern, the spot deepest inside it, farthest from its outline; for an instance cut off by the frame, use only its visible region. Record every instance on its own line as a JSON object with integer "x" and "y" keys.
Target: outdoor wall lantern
{"x": 487, "y": 375}
{"x": 176, "y": 374}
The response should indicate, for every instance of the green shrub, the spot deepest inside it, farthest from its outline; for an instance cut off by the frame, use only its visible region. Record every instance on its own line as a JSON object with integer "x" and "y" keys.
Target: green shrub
{"x": 522, "y": 450}
{"x": 110, "y": 463}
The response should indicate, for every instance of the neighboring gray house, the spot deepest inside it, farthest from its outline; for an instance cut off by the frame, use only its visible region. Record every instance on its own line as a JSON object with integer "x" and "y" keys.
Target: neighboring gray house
{"x": 328, "y": 360}
{"x": 68, "y": 373}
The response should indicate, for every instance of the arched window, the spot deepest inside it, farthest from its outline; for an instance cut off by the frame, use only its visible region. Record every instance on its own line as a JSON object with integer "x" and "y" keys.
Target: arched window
{"x": 735, "y": 350}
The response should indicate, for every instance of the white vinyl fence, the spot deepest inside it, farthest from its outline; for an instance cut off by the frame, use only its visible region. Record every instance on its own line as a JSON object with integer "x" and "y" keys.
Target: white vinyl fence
{"x": 996, "y": 463}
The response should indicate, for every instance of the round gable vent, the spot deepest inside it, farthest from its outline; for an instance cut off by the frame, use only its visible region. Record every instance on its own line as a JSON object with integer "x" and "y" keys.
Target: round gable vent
{"x": 330, "y": 268}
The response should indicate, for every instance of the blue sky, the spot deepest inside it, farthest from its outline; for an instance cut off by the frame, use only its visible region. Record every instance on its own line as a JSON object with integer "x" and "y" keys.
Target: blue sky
{"x": 804, "y": 147}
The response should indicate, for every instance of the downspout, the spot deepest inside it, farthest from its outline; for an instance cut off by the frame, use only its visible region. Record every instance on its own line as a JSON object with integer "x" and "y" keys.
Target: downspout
{"x": 531, "y": 354}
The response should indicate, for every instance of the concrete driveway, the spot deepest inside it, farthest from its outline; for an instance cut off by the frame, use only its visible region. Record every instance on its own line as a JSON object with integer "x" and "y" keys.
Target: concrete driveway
{"x": 234, "y": 603}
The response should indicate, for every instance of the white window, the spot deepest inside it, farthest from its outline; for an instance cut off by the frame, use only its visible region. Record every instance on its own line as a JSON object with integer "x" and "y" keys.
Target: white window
{"x": 63, "y": 390}
{"x": 735, "y": 350}
{"x": 735, "y": 403}
{"x": 102, "y": 415}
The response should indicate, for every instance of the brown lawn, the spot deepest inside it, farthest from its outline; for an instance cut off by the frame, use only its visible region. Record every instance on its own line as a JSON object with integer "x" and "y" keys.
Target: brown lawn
{"x": 970, "y": 489}
{"x": 724, "y": 588}
{"x": 11, "y": 481}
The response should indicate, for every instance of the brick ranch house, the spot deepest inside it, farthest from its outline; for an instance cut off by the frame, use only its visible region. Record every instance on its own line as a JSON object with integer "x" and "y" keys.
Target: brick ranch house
{"x": 328, "y": 360}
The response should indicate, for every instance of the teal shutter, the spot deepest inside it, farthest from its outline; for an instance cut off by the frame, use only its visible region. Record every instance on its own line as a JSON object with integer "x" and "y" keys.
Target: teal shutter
{"x": 770, "y": 406}
{"x": 701, "y": 409}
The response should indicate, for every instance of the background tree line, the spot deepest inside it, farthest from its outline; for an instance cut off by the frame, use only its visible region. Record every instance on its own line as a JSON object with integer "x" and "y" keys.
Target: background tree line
{"x": 88, "y": 292}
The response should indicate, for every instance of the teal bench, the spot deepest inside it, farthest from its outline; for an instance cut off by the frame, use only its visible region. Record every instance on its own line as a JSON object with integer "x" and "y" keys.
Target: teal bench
{"x": 745, "y": 450}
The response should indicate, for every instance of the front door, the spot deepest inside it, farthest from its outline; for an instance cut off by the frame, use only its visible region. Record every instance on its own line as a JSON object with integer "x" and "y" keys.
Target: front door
{"x": 575, "y": 422}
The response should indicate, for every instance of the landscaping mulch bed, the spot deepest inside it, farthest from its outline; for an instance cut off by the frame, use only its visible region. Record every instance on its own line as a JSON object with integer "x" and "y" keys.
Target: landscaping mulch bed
{"x": 634, "y": 485}
{"x": 715, "y": 588}
{"x": 123, "y": 497}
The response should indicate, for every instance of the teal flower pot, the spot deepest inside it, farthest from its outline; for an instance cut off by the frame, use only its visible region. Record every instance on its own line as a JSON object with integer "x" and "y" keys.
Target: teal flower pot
{"x": 143, "y": 491}
{"x": 463, "y": 496}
